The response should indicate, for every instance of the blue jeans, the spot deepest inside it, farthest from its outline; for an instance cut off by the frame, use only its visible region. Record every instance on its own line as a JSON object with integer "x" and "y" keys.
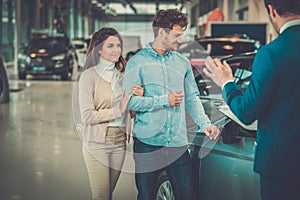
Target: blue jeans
{"x": 175, "y": 160}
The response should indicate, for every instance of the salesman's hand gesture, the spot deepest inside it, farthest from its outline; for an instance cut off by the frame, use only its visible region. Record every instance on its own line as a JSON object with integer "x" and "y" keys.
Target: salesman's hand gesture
{"x": 219, "y": 72}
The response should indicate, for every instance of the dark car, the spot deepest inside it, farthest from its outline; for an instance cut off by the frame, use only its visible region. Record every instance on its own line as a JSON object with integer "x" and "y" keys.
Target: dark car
{"x": 221, "y": 47}
{"x": 81, "y": 46}
{"x": 47, "y": 55}
{"x": 226, "y": 165}
{"x": 4, "y": 87}
{"x": 229, "y": 45}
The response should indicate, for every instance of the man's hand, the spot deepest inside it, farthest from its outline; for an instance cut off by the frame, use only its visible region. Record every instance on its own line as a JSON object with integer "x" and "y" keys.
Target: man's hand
{"x": 212, "y": 131}
{"x": 175, "y": 98}
{"x": 218, "y": 72}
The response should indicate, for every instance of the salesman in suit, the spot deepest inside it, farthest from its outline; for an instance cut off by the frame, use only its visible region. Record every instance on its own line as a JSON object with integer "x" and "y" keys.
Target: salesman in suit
{"x": 273, "y": 98}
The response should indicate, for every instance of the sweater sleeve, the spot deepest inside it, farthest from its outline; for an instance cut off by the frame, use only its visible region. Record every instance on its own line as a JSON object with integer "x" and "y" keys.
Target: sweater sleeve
{"x": 89, "y": 114}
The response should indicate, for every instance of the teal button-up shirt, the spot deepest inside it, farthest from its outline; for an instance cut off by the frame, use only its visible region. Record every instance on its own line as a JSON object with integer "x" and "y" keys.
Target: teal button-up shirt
{"x": 156, "y": 122}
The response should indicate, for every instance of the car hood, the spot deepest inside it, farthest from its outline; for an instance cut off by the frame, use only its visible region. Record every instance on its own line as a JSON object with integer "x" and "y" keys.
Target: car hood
{"x": 44, "y": 52}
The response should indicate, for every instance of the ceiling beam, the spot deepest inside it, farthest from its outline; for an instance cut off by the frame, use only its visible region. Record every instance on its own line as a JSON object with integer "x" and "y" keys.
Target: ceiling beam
{"x": 130, "y": 18}
{"x": 139, "y": 1}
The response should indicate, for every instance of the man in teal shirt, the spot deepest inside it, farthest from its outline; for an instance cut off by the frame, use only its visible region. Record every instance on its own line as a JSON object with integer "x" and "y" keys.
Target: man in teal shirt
{"x": 160, "y": 134}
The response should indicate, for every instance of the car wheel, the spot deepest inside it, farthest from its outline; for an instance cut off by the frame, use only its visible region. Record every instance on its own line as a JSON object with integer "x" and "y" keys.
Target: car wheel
{"x": 22, "y": 76}
{"x": 164, "y": 189}
{"x": 4, "y": 87}
{"x": 65, "y": 74}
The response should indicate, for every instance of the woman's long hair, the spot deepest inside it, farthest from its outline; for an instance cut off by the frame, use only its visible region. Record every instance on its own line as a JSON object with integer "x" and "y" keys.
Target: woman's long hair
{"x": 96, "y": 44}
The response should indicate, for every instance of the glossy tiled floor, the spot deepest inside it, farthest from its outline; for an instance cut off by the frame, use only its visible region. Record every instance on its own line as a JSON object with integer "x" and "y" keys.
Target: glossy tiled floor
{"x": 40, "y": 153}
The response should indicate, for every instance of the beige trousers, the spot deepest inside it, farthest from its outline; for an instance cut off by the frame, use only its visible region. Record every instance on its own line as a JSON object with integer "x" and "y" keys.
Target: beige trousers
{"x": 104, "y": 163}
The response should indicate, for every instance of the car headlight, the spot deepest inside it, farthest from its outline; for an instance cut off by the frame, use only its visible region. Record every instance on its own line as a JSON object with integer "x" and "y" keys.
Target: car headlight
{"x": 59, "y": 57}
{"x": 24, "y": 57}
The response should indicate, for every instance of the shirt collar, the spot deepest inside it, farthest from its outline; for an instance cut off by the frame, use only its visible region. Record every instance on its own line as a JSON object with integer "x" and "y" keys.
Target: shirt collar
{"x": 154, "y": 53}
{"x": 289, "y": 24}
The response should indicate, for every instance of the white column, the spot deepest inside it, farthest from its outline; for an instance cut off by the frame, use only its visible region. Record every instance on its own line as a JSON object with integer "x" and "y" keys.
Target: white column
{"x": 257, "y": 11}
{"x": 225, "y": 10}
{"x": 17, "y": 35}
{"x": 71, "y": 18}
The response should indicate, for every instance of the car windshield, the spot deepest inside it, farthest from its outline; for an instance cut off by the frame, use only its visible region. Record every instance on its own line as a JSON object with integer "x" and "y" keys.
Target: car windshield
{"x": 49, "y": 44}
{"x": 216, "y": 47}
{"x": 222, "y": 48}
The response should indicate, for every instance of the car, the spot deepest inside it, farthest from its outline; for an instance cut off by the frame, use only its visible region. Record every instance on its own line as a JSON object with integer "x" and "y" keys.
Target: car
{"x": 47, "y": 55}
{"x": 221, "y": 47}
{"x": 80, "y": 45}
{"x": 229, "y": 45}
{"x": 225, "y": 166}
{"x": 4, "y": 86}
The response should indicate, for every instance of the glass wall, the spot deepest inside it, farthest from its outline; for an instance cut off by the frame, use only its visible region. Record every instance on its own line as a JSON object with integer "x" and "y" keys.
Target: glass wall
{"x": 7, "y": 15}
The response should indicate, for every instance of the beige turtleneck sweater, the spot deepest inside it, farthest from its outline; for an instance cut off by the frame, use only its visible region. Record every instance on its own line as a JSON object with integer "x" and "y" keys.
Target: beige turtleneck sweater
{"x": 109, "y": 73}
{"x": 99, "y": 107}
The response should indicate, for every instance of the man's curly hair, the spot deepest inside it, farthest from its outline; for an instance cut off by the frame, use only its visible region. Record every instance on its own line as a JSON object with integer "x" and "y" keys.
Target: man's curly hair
{"x": 284, "y": 7}
{"x": 166, "y": 19}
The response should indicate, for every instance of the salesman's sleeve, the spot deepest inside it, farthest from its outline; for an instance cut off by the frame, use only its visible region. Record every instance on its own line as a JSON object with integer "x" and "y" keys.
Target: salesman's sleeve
{"x": 250, "y": 105}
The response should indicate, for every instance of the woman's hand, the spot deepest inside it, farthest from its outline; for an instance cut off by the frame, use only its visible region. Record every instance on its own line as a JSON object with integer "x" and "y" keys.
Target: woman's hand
{"x": 137, "y": 90}
{"x": 124, "y": 101}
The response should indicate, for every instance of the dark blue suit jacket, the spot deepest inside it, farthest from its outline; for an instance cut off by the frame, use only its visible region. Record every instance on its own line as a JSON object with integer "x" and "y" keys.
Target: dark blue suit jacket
{"x": 273, "y": 98}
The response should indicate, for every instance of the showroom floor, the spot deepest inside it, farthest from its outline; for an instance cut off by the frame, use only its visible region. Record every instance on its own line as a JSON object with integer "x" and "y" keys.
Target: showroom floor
{"x": 40, "y": 151}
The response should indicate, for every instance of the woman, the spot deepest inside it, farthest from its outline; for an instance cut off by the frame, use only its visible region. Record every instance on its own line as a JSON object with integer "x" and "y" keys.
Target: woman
{"x": 103, "y": 124}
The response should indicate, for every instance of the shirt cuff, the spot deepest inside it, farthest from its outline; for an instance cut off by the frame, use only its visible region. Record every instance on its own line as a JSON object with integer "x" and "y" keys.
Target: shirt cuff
{"x": 229, "y": 81}
{"x": 204, "y": 126}
{"x": 163, "y": 100}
